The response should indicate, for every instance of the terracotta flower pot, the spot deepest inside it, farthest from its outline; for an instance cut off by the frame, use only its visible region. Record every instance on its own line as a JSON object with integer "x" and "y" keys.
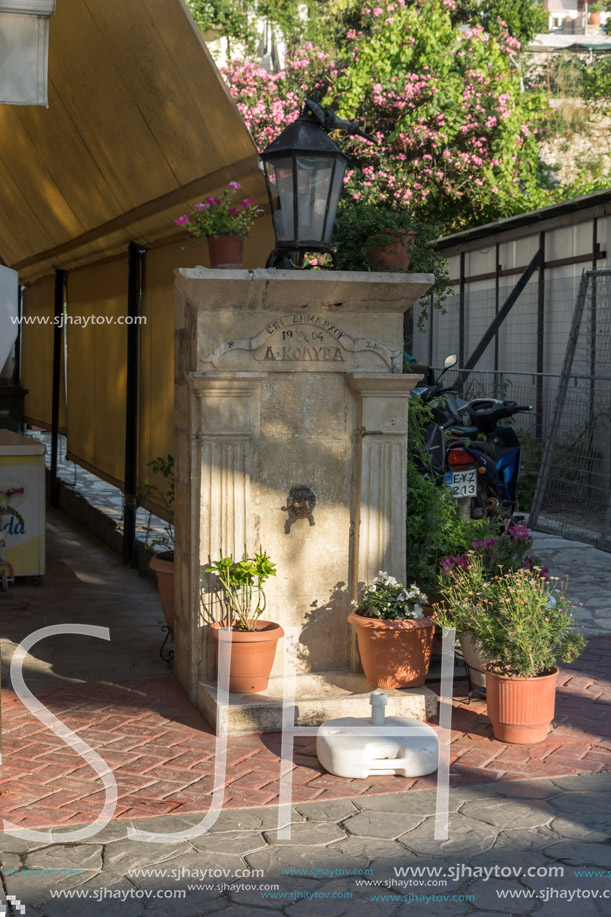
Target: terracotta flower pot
{"x": 252, "y": 655}
{"x": 594, "y": 18}
{"x": 395, "y": 654}
{"x": 520, "y": 709}
{"x": 394, "y": 254}
{"x": 163, "y": 565}
{"x": 227, "y": 251}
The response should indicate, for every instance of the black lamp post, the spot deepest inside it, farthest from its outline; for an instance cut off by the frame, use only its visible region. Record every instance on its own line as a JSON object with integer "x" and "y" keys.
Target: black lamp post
{"x": 304, "y": 173}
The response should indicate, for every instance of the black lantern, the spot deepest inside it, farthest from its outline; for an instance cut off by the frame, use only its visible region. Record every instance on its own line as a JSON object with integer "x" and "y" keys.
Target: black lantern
{"x": 304, "y": 172}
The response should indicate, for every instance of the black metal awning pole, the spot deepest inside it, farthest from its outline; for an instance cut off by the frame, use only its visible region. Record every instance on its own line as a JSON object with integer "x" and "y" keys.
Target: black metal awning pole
{"x": 130, "y": 500}
{"x": 58, "y": 312}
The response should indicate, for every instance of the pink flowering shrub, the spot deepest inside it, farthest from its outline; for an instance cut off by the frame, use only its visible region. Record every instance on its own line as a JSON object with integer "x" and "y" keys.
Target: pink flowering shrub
{"x": 501, "y": 552}
{"x": 458, "y": 139}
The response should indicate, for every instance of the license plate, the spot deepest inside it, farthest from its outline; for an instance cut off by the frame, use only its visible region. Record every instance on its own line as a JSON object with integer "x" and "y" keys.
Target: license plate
{"x": 462, "y": 483}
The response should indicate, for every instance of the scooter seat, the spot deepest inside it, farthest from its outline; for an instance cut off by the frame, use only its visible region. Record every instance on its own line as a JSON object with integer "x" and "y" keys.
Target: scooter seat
{"x": 465, "y": 431}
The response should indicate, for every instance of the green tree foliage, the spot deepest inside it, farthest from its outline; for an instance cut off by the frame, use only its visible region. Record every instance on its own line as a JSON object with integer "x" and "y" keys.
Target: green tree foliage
{"x": 523, "y": 19}
{"x": 597, "y": 84}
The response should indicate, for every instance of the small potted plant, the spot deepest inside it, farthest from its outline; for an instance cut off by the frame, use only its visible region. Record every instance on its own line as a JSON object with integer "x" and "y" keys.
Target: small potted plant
{"x": 224, "y": 224}
{"x": 162, "y": 561}
{"x": 394, "y": 635}
{"x": 253, "y": 640}
{"x": 524, "y": 624}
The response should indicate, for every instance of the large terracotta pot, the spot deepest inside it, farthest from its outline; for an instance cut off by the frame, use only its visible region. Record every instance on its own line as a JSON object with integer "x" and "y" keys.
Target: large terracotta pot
{"x": 394, "y": 254}
{"x": 395, "y": 654}
{"x": 227, "y": 251}
{"x": 163, "y": 565}
{"x": 252, "y": 655}
{"x": 520, "y": 709}
{"x": 594, "y": 18}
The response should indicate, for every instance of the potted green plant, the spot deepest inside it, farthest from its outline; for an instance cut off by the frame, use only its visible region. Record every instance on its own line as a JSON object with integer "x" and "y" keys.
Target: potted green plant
{"x": 373, "y": 238}
{"x": 224, "y": 224}
{"x": 524, "y": 624}
{"x": 253, "y": 640}
{"x": 394, "y": 635}
{"x": 505, "y": 549}
{"x": 162, "y": 561}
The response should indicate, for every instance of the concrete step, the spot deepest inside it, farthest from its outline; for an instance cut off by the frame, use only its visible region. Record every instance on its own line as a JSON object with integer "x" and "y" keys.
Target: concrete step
{"x": 319, "y": 696}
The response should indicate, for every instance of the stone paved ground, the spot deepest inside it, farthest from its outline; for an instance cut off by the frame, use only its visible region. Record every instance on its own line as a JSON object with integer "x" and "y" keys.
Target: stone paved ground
{"x": 86, "y": 583}
{"x": 512, "y": 805}
{"x": 512, "y": 848}
{"x": 163, "y": 754}
{"x": 589, "y": 572}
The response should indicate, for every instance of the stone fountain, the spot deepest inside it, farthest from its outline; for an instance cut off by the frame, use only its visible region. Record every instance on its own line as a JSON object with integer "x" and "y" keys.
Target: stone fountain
{"x": 291, "y": 436}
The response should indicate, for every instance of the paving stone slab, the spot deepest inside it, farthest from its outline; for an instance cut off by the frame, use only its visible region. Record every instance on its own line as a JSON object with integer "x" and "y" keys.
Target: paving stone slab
{"x": 63, "y": 856}
{"x": 373, "y": 849}
{"x": 246, "y": 895}
{"x": 487, "y": 897}
{"x": 320, "y": 861}
{"x": 245, "y": 842}
{"x": 525, "y": 839}
{"x": 329, "y": 907}
{"x": 106, "y": 906}
{"x": 581, "y": 854}
{"x": 378, "y": 824}
{"x": 122, "y": 856}
{"x": 421, "y": 803}
{"x": 593, "y": 827}
{"x": 316, "y": 834}
{"x": 506, "y": 813}
{"x": 581, "y": 804}
{"x": 334, "y": 811}
{"x": 466, "y": 836}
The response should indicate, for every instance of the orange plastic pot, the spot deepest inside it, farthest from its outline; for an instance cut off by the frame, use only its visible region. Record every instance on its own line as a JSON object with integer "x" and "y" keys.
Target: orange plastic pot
{"x": 226, "y": 251}
{"x": 395, "y": 654}
{"x": 252, "y": 655}
{"x": 520, "y": 709}
{"x": 164, "y": 568}
{"x": 395, "y": 252}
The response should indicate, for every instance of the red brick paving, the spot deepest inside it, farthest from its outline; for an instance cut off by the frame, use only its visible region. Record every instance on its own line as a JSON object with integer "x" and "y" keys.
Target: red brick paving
{"x": 162, "y": 751}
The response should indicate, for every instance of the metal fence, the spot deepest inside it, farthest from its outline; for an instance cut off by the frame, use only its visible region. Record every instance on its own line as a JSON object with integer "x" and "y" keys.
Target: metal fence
{"x": 573, "y": 494}
{"x": 566, "y": 471}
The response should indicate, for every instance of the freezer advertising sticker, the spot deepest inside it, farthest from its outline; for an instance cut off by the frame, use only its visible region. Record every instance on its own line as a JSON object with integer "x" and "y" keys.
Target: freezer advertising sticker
{"x": 20, "y": 516}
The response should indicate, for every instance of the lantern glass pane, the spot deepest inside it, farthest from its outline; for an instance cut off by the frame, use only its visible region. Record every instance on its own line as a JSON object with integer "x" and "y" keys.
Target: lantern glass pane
{"x": 336, "y": 190}
{"x": 280, "y": 183}
{"x": 313, "y": 187}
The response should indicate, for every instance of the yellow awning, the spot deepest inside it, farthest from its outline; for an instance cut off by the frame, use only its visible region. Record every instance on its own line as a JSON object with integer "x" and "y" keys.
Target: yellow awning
{"x": 139, "y": 124}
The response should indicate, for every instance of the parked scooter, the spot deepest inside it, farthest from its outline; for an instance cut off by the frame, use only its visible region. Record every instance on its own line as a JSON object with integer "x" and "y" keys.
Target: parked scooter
{"x": 483, "y": 459}
{"x": 447, "y": 410}
{"x": 477, "y": 457}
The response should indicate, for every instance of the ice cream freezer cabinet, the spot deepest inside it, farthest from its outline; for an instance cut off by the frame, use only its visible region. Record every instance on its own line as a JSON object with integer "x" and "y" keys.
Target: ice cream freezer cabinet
{"x": 22, "y": 503}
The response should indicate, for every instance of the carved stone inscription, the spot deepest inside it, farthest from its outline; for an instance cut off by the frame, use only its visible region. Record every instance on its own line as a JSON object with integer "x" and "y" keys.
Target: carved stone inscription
{"x": 304, "y": 338}
{"x": 307, "y": 337}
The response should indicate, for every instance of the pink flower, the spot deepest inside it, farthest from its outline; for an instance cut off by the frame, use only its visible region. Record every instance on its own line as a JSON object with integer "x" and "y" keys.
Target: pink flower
{"x": 235, "y": 186}
{"x": 182, "y": 221}
{"x": 202, "y": 206}
{"x": 213, "y": 200}
{"x": 232, "y": 211}
{"x": 246, "y": 202}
